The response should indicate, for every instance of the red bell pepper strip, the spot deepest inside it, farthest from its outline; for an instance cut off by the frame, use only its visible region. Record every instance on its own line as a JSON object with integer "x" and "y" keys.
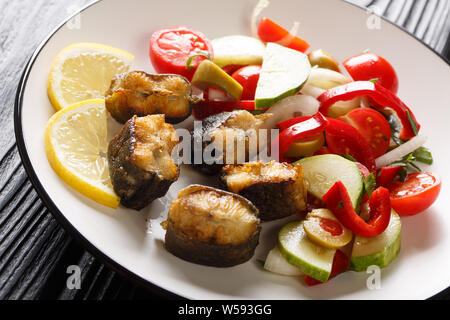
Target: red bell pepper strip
{"x": 387, "y": 175}
{"x": 269, "y": 31}
{"x": 377, "y": 93}
{"x": 357, "y": 146}
{"x": 206, "y": 108}
{"x": 290, "y": 122}
{"x": 340, "y": 264}
{"x": 305, "y": 129}
{"x": 338, "y": 201}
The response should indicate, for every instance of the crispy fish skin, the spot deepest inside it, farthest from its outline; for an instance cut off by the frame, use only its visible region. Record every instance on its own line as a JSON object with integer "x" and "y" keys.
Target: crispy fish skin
{"x": 212, "y": 227}
{"x": 236, "y": 127}
{"x": 141, "y": 169}
{"x": 139, "y": 93}
{"x": 278, "y": 190}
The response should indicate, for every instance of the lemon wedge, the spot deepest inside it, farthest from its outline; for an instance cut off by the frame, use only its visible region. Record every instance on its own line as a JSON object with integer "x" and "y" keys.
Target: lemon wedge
{"x": 76, "y": 145}
{"x": 83, "y": 71}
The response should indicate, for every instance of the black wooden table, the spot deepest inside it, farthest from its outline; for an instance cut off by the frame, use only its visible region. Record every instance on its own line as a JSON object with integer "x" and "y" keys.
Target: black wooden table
{"x": 35, "y": 251}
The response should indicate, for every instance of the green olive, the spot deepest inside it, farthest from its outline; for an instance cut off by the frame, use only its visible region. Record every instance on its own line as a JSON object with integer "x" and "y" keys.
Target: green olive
{"x": 305, "y": 147}
{"x": 323, "y": 228}
{"x": 323, "y": 60}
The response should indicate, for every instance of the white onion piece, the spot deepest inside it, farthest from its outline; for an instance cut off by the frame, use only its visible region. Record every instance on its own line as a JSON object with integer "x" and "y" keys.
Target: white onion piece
{"x": 341, "y": 108}
{"x": 401, "y": 151}
{"x": 290, "y": 36}
{"x": 291, "y": 107}
{"x": 260, "y": 6}
{"x": 326, "y": 78}
{"x": 338, "y": 109}
{"x": 311, "y": 91}
{"x": 277, "y": 263}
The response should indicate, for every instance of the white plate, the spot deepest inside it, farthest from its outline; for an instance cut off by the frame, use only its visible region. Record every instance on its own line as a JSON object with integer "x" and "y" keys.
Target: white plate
{"x": 132, "y": 242}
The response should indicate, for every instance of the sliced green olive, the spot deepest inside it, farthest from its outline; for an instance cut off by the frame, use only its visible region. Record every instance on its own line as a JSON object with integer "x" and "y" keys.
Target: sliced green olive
{"x": 305, "y": 147}
{"x": 210, "y": 74}
{"x": 324, "y": 229}
{"x": 323, "y": 60}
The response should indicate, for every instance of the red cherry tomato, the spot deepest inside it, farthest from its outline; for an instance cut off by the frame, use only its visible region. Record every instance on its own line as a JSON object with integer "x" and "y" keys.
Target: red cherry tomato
{"x": 322, "y": 151}
{"x": 248, "y": 78}
{"x": 171, "y": 48}
{"x": 373, "y": 127}
{"x": 231, "y": 68}
{"x": 416, "y": 194}
{"x": 368, "y": 66}
{"x": 269, "y": 31}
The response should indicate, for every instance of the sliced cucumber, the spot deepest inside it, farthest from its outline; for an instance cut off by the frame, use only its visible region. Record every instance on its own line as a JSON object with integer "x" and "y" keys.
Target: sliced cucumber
{"x": 299, "y": 251}
{"x": 238, "y": 50}
{"x": 284, "y": 72}
{"x": 277, "y": 263}
{"x": 380, "y": 250}
{"x": 322, "y": 172}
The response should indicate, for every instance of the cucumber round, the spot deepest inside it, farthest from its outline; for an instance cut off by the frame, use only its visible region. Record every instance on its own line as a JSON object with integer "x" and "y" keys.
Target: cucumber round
{"x": 380, "y": 250}
{"x": 322, "y": 172}
{"x": 311, "y": 259}
{"x": 238, "y": 50}
{"x": 284, "y": 72}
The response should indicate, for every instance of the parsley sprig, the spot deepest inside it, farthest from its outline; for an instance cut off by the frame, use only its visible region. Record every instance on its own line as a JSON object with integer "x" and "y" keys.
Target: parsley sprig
{"x": 410, "y": 162}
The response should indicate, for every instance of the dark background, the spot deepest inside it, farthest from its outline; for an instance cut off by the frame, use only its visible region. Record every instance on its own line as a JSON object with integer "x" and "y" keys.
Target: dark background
{"x": 35, "y": 250}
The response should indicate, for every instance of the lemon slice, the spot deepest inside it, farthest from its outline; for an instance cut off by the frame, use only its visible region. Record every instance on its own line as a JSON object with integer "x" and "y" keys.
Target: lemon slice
{"x": 76, "y": 145}
{"x": 84, "y": 71}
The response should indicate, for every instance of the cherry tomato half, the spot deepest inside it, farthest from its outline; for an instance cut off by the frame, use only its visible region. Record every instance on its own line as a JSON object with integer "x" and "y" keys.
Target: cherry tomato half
{"x": 171, "y": 48}
{"x": 416, "y": 194}
{"x": 248, "y": 78}
{"x": 373, "y": 127}
{"x": 232, "y": 68}
{"x": 369, "y": 66}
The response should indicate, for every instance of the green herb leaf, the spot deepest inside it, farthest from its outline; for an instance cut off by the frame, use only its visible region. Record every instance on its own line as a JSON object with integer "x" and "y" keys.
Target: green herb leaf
{"x": 374, "y": 80}
{"x": 200, "y": 54}
{"x": 413, "y": 123}
{"x": 340, "y": 205}
{"x": 402, "y": 174}
{"x": 370, "y": 184}
{"x": 423, "y": 155}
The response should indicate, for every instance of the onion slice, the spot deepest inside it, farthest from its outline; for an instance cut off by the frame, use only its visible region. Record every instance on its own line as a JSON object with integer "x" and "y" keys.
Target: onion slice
{"x": 291, "y": 107}
{"x": 312, "y": 91}
{"x": 291, "y": 35}
{"x": 401, "y": 151}
{"x": 326, "y": 79}
{"x": 260, "y": 6}
{"x": 277, "y": 263}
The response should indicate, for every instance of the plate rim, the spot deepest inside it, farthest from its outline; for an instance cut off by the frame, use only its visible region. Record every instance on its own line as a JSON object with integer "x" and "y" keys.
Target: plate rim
{"x": 59, "y": 216}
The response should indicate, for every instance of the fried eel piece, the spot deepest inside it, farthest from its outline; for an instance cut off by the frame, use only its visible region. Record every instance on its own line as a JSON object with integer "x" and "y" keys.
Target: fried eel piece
{"x": 139, "y": 93}
{"x": 140, "y": 160}
{"x": 229, "y": 136}
{"x": 212, "y": 227}
{"x": 278, "y": 190}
